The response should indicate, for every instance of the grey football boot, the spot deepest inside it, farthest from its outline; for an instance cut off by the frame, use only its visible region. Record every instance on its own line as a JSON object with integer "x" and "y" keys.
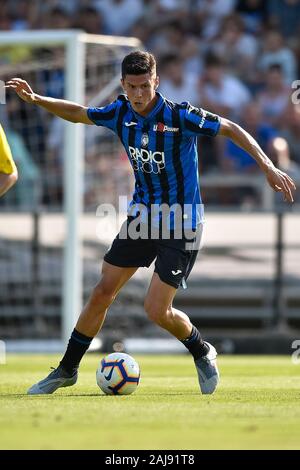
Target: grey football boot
{"x": 208, "y": 374}
{"x": 56, "y": 379}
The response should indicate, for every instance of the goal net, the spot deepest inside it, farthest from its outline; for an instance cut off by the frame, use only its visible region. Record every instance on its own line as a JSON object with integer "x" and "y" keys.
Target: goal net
{"x": 65, "y": 172}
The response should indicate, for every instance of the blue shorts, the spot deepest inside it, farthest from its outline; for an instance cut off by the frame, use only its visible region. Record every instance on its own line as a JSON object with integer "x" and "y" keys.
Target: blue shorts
{"x": 174, "y": 258}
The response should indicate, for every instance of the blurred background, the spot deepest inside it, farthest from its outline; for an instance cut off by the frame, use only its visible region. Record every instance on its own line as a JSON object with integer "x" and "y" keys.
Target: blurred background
{"x": 236, "y": 58}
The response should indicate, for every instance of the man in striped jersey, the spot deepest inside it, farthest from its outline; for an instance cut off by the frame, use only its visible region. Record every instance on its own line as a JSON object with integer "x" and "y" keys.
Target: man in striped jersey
{"x": 160, "y": 140}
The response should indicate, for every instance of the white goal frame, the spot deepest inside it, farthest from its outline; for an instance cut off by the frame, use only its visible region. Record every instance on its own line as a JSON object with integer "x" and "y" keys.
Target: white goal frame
{"x": 75, "y": 45}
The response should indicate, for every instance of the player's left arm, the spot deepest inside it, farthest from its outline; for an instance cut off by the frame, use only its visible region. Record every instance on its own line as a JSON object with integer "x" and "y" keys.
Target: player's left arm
{"x": 277, "y": 179}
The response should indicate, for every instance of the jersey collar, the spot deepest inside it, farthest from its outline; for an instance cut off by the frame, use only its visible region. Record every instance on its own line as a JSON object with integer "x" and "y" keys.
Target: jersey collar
{"x": 153, "y": 112}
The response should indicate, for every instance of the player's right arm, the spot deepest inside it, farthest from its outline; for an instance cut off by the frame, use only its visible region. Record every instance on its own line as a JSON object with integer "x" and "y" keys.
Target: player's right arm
{"x": 64, "y": 109}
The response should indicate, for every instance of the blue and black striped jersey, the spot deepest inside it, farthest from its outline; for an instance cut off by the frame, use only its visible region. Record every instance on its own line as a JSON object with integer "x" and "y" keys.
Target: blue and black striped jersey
{"x": 162, "y": 150}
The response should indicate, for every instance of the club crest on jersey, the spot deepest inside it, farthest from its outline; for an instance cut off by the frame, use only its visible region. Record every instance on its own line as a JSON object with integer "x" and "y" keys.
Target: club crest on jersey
{"x": 160, "y": 127}
{"x": 145, "y": 140}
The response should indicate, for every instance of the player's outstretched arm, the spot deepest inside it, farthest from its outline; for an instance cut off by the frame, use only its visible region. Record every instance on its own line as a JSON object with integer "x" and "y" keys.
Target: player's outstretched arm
{"x": 277, "y": 179}
{"x": 67, "y": 110}
{"x": 7, "y": 181}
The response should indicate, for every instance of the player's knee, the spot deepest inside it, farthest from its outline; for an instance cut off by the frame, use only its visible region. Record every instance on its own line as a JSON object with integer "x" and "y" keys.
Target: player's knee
{"x": 103, "y": 294}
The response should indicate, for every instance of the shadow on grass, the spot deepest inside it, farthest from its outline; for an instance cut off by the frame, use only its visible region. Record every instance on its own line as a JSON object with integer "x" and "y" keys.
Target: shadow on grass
{"x": 101, "y": 395}
{"x": 141, "y": 394}
{"x": 13, "y": 395}
{"x": 50, "y": 395}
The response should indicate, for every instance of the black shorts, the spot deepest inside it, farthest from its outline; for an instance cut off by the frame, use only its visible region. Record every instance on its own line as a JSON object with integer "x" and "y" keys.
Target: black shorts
{"x": 174, "y": 258}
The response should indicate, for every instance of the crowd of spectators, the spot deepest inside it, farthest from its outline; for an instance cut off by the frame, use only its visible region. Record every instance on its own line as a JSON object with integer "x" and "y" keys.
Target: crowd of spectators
{"x": 237, "y": 58}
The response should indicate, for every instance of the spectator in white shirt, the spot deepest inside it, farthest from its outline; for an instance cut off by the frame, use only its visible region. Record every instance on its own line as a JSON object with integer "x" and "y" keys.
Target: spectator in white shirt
{"x": 119, "y": 15}
{"x": 210, "y": 13}
{"x": 221, "y": 92}
{"x": 175, "y": 82}
{"x": 238, "y": 48}
{"x": 275, "y": 97}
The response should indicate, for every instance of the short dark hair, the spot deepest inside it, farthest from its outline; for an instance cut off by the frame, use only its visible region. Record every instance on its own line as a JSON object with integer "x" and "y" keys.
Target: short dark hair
{"x": 138, "y": 63}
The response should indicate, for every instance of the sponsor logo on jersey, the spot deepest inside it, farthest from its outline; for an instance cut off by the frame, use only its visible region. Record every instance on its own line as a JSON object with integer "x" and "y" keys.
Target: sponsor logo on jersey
{"x": 160, "y": 127}
{"x": 147, "y": 160}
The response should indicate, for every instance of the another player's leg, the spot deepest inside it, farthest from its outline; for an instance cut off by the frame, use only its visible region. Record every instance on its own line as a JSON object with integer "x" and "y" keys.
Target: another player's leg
{"x": 158, "y": 305}
{"x": 89, "y": 323}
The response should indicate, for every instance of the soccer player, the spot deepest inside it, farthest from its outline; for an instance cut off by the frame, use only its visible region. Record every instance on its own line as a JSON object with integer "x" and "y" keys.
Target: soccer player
{"x": 8, "y": 169}
{"x": 160, "y": 140}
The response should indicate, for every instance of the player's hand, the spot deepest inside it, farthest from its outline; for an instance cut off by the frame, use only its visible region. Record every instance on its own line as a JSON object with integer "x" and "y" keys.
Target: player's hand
{"x": 22, "y": 88}
{"x": 281, "y": 182}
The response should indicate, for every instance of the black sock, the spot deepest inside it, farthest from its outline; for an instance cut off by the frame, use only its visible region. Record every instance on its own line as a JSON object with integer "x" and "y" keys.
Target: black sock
{"x": 78, "y": 345}
{"x": 195, "y": 344}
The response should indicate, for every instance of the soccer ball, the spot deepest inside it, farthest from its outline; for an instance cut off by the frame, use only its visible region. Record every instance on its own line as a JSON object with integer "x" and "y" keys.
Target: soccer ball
{"x": 118, "y": 374}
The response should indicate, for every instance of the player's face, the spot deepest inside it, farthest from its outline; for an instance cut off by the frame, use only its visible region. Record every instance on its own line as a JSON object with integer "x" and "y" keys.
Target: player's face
{"x": 140, "y": 90}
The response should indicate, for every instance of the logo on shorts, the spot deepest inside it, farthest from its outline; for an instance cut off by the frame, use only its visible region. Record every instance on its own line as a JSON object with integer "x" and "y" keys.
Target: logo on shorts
{"x": 176, "y": 272}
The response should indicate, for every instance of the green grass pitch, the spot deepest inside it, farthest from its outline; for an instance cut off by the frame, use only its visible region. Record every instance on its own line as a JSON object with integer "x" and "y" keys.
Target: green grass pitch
{"x": 257, "y": 406}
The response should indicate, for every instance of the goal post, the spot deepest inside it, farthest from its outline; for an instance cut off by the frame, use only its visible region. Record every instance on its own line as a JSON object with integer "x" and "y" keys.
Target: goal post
{"x": 75, "y": 45}
{"x": 73, "y": 162}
